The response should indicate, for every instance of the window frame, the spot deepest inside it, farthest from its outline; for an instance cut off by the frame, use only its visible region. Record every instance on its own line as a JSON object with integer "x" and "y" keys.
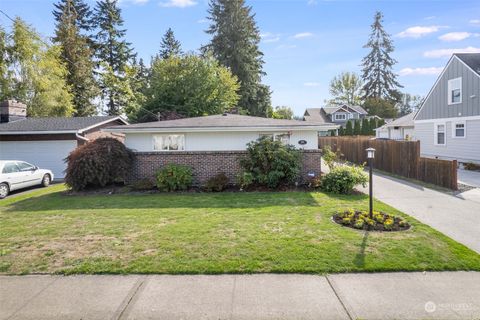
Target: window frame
{"x": 30, "y": 167}
{"x": 167, "y": 135}
{"x": 454, "y": 84}
{"x": 454, "y": 129}
{"x": 436, "y": 132}
{"x": 345, "y": 117}
{"x": 274, "y": 136}
{"x": 10, "y": 163}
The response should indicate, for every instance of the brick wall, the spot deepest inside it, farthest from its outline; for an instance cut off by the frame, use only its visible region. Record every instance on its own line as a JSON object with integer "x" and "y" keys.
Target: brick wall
{"x": 206, "y": 164}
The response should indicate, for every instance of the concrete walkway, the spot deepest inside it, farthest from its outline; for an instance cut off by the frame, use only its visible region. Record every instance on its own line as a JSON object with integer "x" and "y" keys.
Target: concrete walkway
{"x": 443, "y": 295}
{"x": 456, "y": 217}
{"x": 470, "y": 178}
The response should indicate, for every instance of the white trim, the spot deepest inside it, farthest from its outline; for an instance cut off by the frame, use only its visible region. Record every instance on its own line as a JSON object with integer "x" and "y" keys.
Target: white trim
{"x": 448, "y": 119}
{"x": 37, "y": 132}
{"x": 336, "y": 114}
{"x": 454, "y": 129}
{"x": 450, "y": 89}
{"x": 81, "y": 138}
{"x": 128, "y": 129}
{"x": 435, "y": 134}
{"x": 102, "y": 123}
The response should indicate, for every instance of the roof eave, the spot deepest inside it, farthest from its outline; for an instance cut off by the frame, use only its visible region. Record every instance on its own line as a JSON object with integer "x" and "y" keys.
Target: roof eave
{"x": 127, "y": 129}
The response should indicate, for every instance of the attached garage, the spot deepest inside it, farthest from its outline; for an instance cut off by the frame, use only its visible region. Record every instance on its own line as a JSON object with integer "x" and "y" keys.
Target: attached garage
{"x": 46, "y": 142}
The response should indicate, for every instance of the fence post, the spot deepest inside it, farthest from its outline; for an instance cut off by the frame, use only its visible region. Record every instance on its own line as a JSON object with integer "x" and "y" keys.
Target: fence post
{"x": 454, "y": 175}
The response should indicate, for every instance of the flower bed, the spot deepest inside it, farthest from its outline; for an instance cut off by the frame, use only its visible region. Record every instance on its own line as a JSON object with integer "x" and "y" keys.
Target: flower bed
{"x": 361, "y": 220}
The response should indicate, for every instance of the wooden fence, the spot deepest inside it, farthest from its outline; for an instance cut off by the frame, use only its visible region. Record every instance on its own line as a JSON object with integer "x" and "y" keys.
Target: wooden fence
{"x": 398, "y": 157}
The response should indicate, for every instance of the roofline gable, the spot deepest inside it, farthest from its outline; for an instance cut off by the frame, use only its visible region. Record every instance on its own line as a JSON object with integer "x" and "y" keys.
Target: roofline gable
{"x": 102, "y": 123}
{"x": 440, "y": 76}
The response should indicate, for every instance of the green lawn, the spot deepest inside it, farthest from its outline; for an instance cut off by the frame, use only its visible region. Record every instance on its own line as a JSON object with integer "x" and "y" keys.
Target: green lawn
{"x": 47, "y": 231}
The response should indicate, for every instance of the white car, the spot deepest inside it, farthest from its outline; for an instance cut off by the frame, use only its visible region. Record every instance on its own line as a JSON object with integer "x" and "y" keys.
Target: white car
{"x": 16, "y": 175}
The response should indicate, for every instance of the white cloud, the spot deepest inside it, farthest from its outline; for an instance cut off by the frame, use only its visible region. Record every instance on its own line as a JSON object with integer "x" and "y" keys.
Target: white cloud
{"x": 312, "y": 84}
{"x": 202, "y": 21}
{"x": 269, "y": 37}
{"x": 448, "y": 52}
{"x": 420, "y": 71}
{"x": 178, "y": 3}
{"x": 455, "y": 36}
{"x": 475, "y": 21}
{"x": 312, "y": 2}
{"x": 429, "y": 18}
{"x": 302, "y": 35}
{"x": 418, "y": 31}
{"x": 140, "y": 1}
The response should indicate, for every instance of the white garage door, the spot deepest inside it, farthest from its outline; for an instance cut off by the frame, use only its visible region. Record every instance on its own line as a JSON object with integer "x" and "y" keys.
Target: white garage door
{"x": 44, "y": 154}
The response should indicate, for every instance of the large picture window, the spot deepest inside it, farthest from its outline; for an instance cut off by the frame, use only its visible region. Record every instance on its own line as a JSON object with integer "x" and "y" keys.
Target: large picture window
{"x": 168, "y": 142}
{"x": 455, "y": 91}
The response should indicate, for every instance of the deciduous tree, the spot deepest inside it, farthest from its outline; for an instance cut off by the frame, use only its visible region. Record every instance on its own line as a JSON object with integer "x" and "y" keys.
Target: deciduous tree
{"x": 346, "y": 88}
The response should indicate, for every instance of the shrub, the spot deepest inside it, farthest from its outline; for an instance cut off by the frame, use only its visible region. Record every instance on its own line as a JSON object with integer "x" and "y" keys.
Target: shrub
{"x": 97, "y": 164}
{"x": 144, "y": 184}
{"x": 244, "y": 180}
{"x": 342, "y": 179}
{"x": 271, "y": 163}
{"x": 174, "y": 177}
{"x": 217, "y": 183}
{"x": 330, "y": 157}
{"x": 471, "y": 166}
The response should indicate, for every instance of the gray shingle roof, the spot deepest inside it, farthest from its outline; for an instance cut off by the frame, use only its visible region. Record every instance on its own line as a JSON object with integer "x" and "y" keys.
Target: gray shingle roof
{"x": 316, "y": 115}
{"x": 405, "y": 121}
{"x": 53, "y": 124}
{"x": 218, "y": 121}
{"x": 470, "y": 59}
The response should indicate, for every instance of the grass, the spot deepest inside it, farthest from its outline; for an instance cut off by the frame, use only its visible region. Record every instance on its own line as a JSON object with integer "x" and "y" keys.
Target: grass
{"x": 47, "y": 231}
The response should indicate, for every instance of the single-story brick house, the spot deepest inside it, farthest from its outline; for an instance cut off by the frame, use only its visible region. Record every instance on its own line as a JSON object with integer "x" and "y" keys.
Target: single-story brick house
{"x": 213, "y": 144}
{"x": 46, "y": 142}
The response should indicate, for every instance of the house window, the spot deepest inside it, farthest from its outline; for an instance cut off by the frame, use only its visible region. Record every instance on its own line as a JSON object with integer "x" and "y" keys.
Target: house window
{"x": 458, "y": 129}
{"x": 168, "y": 142}
{"x": 440, "y": 134}
{"x": 455, "y": 91}
{"x": 340, "y": 116}
{"x": 284, "y": 138}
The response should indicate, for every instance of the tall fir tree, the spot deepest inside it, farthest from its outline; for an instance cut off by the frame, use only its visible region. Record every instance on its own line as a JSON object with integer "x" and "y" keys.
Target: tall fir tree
{"x": 380, "y": 82}
{"x": 365, "y": 131}
{"x": 113, "y": 53}
{"x": 373, "y": 125}
{"x": 235, "y": 43}
{"x": 72, "y": 17}
{"x": 170, "y": 46}
{"x": 357, "y": 128}
{"x": 349, "y": 128}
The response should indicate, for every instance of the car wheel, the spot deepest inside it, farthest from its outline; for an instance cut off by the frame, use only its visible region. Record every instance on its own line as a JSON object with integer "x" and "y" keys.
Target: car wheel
{"x": 4, "y": 190}
{"x": 46, "y": 180}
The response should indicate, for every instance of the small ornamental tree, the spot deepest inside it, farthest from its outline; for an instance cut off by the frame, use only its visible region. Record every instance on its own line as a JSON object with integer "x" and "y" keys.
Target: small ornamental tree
{"x": 349, "y": 128}
{"x": 271, "y": 163}
{"x": 357, "y": 128}
{"x": 97, "y": 164}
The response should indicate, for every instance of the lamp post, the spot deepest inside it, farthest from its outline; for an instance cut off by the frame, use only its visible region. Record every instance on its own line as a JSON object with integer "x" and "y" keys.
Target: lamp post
{"x": 370, "y": 157}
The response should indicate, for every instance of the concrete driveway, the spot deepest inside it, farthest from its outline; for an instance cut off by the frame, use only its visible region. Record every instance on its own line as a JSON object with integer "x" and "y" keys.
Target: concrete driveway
{"x": 468, "y": 177}
{"x": 457, "y": 217}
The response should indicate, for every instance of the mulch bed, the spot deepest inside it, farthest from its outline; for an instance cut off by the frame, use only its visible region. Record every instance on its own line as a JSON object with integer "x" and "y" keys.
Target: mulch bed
{"x": 360, "y": 220}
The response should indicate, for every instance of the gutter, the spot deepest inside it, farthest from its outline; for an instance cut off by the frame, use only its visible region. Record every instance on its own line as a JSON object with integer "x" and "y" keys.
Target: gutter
{"x": 220, "y": 129}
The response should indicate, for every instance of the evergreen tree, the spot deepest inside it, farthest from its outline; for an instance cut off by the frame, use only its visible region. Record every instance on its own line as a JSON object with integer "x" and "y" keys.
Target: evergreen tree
{"x": 341, "y": 131}
{"x": 349, "y": 128}
{"x": 5, "y": 72}
{"x": 373, "y": 125}
{"x": 78, "y": 9}
{"x": 235, "y": 43}
{"x": 71, "y": 17}
{"x": 365, "y": 131}
{"x": 169, "y": 46}
{"x": 113, "y": 54}
{"x": 379, "y": 80}
{"x": 357, "y": 129}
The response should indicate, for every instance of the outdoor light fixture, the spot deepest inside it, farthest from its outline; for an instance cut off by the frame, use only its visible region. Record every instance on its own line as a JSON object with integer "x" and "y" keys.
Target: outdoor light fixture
{"x": 370, "y": 157}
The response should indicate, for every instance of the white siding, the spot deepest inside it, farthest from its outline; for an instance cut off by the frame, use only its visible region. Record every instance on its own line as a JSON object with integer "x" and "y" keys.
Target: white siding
{"x": 44, "y": 154}
{"x": 220, "y": 141}
{"x": 462, "y": 149}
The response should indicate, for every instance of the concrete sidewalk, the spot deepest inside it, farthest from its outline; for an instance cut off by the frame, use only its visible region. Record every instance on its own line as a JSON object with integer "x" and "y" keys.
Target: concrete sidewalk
{"x": 443, "y": 295}
{"x": 457, "y": 218}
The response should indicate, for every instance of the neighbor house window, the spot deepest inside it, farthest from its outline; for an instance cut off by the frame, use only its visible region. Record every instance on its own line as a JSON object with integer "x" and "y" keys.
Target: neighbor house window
{"x": 458, "y": 129}
{"x": 340, "y": 116}
{"x": 168, "y": 142}
{"x": 440, "y": 134}
{"x": 455, "y": 91}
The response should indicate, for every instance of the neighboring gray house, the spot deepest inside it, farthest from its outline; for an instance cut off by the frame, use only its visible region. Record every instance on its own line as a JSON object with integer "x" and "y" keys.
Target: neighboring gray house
{"x": 334, "y": 115}
{"x": 448, "y": 122}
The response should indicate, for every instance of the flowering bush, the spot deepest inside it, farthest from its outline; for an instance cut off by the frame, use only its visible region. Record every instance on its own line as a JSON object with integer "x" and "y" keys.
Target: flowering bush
{"x": 361, "y": 220}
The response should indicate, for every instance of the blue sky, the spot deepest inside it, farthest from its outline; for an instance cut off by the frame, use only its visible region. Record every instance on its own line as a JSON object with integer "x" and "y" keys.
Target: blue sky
{"x": 305, "y": 42}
